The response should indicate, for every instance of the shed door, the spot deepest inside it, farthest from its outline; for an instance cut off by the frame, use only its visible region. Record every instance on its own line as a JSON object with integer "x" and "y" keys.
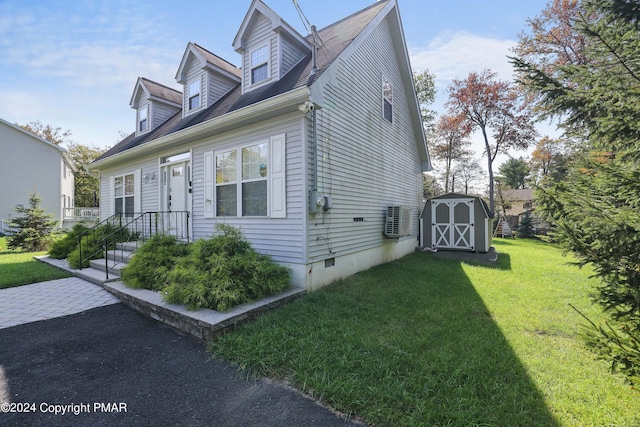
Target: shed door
{"x": 452, "y": 224}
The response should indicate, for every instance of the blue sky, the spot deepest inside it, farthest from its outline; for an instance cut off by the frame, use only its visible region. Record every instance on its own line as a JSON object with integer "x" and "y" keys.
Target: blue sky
{"x": 74, "y": 63}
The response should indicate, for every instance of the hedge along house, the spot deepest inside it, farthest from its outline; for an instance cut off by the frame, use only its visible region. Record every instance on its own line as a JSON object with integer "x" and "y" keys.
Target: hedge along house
{"x": 308, "y": 148}
{"x": 456, "y": 222}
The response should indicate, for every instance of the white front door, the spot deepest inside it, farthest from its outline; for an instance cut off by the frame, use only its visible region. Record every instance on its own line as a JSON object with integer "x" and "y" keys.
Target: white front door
{"x": 176, "y": 197}
{"x": 452, "y": 224}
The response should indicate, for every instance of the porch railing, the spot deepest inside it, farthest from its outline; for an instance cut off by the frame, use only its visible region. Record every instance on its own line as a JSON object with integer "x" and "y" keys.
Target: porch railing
{"x": 91, "y": 214}
{"x": 129, "y": 231}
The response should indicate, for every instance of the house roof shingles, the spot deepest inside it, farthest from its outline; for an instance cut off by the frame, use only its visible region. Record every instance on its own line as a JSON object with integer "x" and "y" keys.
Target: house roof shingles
{"x": 335, "y": 38}
{"x": 158, "y": 90}
{"x": 218, "y": 61}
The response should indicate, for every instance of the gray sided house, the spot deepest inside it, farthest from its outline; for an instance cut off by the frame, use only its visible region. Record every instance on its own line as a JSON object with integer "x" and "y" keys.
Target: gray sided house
{"x": 314, "y": 148}
{"x": 30, "y": 164}
{"x": 457, "y": 222}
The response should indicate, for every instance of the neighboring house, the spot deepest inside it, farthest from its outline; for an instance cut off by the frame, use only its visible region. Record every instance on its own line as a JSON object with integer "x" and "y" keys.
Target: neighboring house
{"x": 514, "y": 203}
{"x": 314, "y": 148}
{"x": 31, "y": 164}
{"x": 517, "y": 203}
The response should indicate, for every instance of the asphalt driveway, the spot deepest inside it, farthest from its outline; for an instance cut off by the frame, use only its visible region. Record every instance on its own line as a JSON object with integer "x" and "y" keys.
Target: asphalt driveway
{"x": 112, "y": 366}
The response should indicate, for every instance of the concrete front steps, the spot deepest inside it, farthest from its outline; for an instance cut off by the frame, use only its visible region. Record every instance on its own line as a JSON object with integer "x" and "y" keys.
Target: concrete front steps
{"x": 116, "y": 260}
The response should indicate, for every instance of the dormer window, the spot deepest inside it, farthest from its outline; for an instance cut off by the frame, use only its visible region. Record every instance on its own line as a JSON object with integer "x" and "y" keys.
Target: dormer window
{"x": 259, "y": 64}
{"x": 387, "y": 94}
{"x": 143, "y": 119}
{"x": 194, "y": 95}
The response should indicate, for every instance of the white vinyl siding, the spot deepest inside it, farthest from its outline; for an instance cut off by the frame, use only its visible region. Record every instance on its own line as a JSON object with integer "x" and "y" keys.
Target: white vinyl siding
{"x": 290, "y": 54}
{"x": 27, "y": 163}
{"x": 161, "y": 113}
{"x": 366, "y": 164}
{"x": 279, "y": 235}
{"x": 218, "y": 87}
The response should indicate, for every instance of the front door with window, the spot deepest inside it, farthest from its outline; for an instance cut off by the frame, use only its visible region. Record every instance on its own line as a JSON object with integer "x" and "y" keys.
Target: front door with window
{"x": 176, "y": 198}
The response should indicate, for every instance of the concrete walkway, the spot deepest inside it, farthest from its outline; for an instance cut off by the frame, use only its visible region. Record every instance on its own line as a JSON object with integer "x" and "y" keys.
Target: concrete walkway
{"x": 48, "y": 300}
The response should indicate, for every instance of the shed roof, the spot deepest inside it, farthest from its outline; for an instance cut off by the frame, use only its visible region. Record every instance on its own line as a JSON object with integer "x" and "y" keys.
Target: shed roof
{"x": 452, "y": 196}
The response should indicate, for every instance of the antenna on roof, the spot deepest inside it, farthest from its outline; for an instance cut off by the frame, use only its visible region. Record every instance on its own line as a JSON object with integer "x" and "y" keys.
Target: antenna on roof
{"x": 315, "y": 39}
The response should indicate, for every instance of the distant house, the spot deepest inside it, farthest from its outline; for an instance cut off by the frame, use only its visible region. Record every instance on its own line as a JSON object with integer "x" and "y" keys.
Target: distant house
{"x": 314, "y": 148}
{"x": 30, "y": 164}
{"x": 517, "y": 204}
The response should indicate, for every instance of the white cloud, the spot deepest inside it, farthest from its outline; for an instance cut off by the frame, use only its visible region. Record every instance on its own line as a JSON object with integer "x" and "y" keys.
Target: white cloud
{"x": 105, "y": 50}
{"x": 454, "y": 55}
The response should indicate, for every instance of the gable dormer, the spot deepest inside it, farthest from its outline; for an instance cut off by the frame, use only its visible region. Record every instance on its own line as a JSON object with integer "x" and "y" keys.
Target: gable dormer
{"x": 154, "y": 104}
{"x": 205, "y": 77}
{"x": 269, "y": 47}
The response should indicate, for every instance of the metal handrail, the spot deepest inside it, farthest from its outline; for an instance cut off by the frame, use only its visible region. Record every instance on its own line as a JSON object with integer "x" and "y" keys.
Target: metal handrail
{"x": 91, "y": 230}
{"x": 142, "y": 228}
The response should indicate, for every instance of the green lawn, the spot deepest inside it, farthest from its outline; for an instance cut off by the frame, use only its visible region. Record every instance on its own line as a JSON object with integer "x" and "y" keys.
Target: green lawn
{"x": 19, "y": 268}
{"x": 425, "y": 341}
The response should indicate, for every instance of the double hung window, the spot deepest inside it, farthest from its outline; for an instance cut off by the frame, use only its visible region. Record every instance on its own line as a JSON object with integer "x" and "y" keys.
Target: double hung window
{"x": 259, "y": 64}
{"x": 143, "y": 119}
{"x": 387, "y": 95}
{"x": 241, "y": 181}
{"x": 194, "y": 95}
{"x": 124, "y": 191}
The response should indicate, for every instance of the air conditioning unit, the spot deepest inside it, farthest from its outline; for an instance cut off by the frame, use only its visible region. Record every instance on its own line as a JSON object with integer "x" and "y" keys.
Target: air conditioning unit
{"x": 398, "y": 222}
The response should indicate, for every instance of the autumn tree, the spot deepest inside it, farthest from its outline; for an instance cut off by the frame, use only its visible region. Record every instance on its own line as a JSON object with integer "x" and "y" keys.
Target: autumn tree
{"x": 493, "y": 107}
{"x": 549, "y": 161}
{"x": 596, "y": 208}
{"x": 514, "y": 172}
{"x": 49, "y": 133}
{"x": 552, "y": 38}
{"x": 426, "y": 92}
{"x": 451, "y": 142}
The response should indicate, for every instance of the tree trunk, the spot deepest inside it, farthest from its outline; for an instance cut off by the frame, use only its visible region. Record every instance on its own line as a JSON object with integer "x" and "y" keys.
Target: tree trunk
{"x": 490, "y": 170}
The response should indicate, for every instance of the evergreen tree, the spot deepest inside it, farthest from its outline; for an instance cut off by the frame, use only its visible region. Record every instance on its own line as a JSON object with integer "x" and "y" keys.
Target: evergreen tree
{"x": 34, "y": 227}
{"x": 597, "y": 206}
{"x": 525, "y": 230}
{"x": 514, "y": 172}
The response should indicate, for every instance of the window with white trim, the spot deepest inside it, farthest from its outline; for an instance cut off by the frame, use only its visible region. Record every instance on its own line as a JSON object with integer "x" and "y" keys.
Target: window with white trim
{"x": 248, "y": 180}
{"x": 387, "y": 95}
{"x": 143, "y": 119}
{"x": 194, "y": 95}
{"x": 124, "y": 194}
{"x": 259, "y": 64}
{"x": 241, "y": 181}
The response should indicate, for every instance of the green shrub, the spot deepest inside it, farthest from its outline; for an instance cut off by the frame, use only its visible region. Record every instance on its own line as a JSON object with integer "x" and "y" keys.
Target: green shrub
{"x": 222, "y": 272}
{"x": 91, "y": 244}
{"x": 150, "y": 265}
{"x": 61, "y": 248}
